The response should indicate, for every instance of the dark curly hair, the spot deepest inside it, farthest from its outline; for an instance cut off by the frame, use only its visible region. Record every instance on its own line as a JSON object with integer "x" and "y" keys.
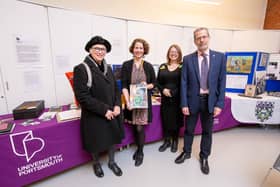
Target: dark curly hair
{"x": 140, "y": 40}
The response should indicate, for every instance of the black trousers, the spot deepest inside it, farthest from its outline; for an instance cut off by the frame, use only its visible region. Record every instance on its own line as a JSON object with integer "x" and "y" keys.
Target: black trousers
{"x": 206, "y": 120}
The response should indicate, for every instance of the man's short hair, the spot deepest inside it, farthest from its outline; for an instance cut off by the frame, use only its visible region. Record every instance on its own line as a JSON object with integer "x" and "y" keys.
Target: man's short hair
{"x": 200, "y": 29}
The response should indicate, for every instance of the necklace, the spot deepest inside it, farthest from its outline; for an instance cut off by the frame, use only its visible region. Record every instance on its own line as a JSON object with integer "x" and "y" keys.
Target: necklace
{"x": 138, "y": 63}
{"x": 172, "y": 67}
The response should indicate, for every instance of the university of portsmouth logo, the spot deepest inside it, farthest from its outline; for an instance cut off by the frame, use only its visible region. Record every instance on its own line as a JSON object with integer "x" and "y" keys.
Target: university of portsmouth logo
{"x": 264, "y": 110}
{"x": 26, "y": 145}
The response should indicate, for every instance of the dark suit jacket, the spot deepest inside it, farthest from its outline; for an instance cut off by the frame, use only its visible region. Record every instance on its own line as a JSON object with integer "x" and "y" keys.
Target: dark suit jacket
{"x": 190, "y": 81}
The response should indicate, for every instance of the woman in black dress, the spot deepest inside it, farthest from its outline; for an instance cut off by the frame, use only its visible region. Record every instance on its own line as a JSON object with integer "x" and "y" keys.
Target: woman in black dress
{"x": 138, "y": 71}
{"x": 168, "y": 82}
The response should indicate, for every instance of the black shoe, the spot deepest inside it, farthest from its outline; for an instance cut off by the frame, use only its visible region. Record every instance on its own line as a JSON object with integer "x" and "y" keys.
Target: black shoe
{"x": 204, "y": 165}
{"x": 134, "y": 155}
{"x": 182, "y": 157}
{"x": 115, "y": 168}
{"x": 139, "y": 159}
{"x": 98, "y": 170}
{"x": 174, "y": 146}
{"x": 164, "y": 146}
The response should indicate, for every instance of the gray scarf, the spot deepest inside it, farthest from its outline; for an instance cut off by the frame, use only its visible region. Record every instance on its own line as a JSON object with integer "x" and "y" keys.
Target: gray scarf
{"x": 95, "y": 63}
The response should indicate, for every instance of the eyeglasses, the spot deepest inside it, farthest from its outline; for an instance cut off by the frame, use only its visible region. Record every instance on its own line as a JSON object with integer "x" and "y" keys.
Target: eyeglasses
{"x": 173, "y": 52}
{"x": 201, "y": 37}
{"x": 99, "y": 49}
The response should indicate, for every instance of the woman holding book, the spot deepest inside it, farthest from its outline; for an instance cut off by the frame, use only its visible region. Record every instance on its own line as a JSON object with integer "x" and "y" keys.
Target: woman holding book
{"x": 101, "y": 124}
{"x": 137, "y": 71}
{"x": 168, "y": 82}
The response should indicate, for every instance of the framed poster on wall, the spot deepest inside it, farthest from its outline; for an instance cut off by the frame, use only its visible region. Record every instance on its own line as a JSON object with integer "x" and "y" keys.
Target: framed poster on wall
{"x": 240, "y": 67}
{"x": 260, "y": 75}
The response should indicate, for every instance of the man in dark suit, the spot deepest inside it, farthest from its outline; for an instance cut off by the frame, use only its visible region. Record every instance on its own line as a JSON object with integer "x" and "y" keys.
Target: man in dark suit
{"x": 203, "y": 81}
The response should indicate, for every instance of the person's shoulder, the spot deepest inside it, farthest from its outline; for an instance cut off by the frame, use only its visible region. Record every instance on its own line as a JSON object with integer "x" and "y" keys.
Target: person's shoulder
{"x": 163, "y": 66}
{"x": 191, "y": 54}
{"x": 78, "y": 66}
{"x": 217, "y": 53}
{"x": 148, "y": 64}
{"x": 180, "y": 65}
{"x": 127, "y": 62}
{"x": 109, "y": 67}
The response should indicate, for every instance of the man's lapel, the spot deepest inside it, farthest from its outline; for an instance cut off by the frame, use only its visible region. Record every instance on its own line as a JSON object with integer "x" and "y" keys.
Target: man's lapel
{"x": 212, "y": 62}
{"x": 195, "y": 65}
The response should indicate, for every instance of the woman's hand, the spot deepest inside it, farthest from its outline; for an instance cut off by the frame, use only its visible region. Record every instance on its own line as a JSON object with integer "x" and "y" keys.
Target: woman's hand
{"x": 166, "y": 92}
{"x": 109, "y": 115}
{"x": 149, "y": 86}
{"x": 128, "y": 106}
{"x": 117, "y": 111}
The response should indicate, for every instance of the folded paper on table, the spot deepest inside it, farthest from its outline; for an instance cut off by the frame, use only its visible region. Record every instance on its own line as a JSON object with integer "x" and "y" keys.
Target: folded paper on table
{"x": 47, "y": 116}
{"x": 68, "y": 115}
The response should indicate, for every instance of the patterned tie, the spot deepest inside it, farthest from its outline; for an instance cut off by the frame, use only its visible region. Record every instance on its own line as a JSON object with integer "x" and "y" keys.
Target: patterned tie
{"x": 204, "y": 73}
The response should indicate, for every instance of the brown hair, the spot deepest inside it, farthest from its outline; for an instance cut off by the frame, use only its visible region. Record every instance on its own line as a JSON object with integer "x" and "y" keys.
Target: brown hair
{"x": 179, "y": 60}
{"x": 140, "y": 40}
{"x": 200, "y": 29}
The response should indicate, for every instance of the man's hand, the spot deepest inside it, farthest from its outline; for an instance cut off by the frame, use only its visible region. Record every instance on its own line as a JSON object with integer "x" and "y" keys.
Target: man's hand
{"x": 186, "y": 111}
{"x": 217, "y": 111}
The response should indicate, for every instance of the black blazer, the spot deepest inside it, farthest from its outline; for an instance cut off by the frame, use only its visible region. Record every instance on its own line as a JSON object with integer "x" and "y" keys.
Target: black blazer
{"x": 126, "y": 81}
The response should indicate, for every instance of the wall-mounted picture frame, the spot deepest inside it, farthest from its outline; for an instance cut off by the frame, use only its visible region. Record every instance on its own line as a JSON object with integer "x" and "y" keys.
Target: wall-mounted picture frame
{"x": 239, "y": 64}
{"x": 240, "y": 67}
{"x": 263, "y": 60}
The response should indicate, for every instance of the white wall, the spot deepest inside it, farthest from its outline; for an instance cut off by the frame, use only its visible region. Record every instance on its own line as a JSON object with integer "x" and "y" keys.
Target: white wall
{"x": 230, "y": 14}
{"x": 25, "y": 26}
{"x": 256, "y": 40}
{"x": 69, "y": 31}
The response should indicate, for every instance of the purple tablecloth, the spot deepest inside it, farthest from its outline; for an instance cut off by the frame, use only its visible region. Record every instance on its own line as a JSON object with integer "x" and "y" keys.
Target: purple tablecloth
{"x": 35, "y": 152}
{"x": 154, "y": 130}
